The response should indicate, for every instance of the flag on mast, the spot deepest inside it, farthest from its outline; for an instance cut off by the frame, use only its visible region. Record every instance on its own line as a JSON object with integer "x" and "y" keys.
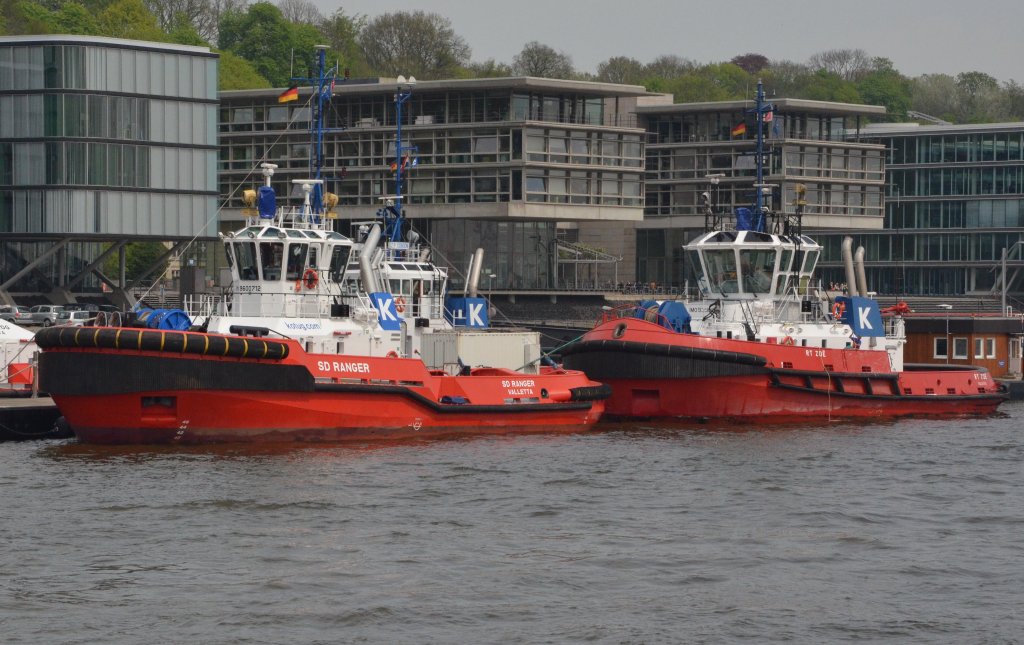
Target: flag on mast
{"x": 290, "y": 94}
{"x": 739, "y": 130}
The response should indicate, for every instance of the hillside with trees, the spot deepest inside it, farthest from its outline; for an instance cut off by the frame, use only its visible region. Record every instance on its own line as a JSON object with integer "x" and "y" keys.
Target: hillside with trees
{"x": 256, "y": 41}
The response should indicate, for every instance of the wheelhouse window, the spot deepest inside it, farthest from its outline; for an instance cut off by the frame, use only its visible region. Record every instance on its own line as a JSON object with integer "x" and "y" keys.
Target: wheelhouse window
{"x": 810, "y": 260}
{"x": 339, "y": 259}
{"x": 990, "y": 348}
{"x": 941, "y": 348}
{"x": 247, "y": 265}
{"x": 722, "y": 271}
{"x": 271, "y": 254}
{"x": 296, "y": 261}
{"x": 756, "y": 269}
{"x": 698, "y": 270}
{"x": 979, "y": 348}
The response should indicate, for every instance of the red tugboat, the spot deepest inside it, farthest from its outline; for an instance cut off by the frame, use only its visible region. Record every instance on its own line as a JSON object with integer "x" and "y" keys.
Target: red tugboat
{"x": 762, "y": 343}
{"x": 324, "y": 338}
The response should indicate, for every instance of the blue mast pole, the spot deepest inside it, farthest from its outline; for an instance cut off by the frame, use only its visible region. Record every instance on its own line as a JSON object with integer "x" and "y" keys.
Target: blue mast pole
{"x": 761, "y": 108}
{"x": 401, "y": 96}
{"x": 323, "y": 84}
{"x": 759, "y": 151}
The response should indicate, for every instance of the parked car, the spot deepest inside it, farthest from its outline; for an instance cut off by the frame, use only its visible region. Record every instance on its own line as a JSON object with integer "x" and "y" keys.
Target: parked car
{"x": 75, "y": 318}
{"x": 17, "y": 315}
{"x": 45, "y": 315}
{"x": 81, "y": 306}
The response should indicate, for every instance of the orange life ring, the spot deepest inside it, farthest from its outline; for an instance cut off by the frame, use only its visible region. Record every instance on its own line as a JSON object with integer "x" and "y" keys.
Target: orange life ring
{"x": 392, "y": 354}
{"x": 838, "y": 309}
{"x": 310, "y": 278}
{"x": 788, "y": 340}
{"x": 399, "y": 304}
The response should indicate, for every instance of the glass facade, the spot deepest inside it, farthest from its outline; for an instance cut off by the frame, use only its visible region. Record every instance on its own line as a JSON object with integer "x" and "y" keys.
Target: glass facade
{"x": 458, "y": 160}
{"x": 843, "y": 178}
{"x": 106, "y": 138}
{"x": 955, "y": 199}
{"x": 551, "y": 155}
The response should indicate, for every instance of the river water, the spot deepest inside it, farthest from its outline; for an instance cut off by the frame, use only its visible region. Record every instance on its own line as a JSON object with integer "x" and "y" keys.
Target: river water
{"x": 897, "y": 532}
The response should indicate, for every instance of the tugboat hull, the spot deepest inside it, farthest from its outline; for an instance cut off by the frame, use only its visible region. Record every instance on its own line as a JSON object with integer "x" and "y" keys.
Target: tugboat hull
{"x": 124, "y": 395}
{"x": 661, "y": 374}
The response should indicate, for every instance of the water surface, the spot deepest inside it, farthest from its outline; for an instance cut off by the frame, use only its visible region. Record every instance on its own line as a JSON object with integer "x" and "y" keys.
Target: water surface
{"x": 908, "y": 531}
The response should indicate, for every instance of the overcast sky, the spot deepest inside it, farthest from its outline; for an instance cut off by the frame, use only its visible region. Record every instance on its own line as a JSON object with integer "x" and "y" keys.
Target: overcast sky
{"x": 919, "y": 36}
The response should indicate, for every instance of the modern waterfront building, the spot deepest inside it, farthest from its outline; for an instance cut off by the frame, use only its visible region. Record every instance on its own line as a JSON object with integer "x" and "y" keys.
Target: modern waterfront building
{"x": 694, "y": 148}
{"x": 509, "y": 164}
{"x": 102, "y": 142}
{"x": 954, "y": 201}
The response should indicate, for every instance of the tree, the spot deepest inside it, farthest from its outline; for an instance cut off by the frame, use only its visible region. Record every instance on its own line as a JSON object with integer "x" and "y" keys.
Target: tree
{"x": 413, "y": 43}
{"x": 935, "y": 95}
{"x": 138, "y": 256}
{"x": 750, "y": 63}
{"x": 130, "y": 19}
{"x": 67, "y": 18}
{"x": 341, "y": 33}
{"x": 828, "y": 86}
{"x": 262, "y": 36}
{"x": 536, "y": 59}
{"x": 885, "y": 86}
{"x": 1011, "y": 106}
{"x": 978, "y": 95}
{"x": 786, "y": 78}
{"x": 668, "y": 67}
{"x": 621, "y": 69}
{"x": 238, "y": 74}
{"x": 184, "y": 32}
{"x": 301, "y": 12}
{"x": 488, "y": 69}
{"x": 847, "y": 64}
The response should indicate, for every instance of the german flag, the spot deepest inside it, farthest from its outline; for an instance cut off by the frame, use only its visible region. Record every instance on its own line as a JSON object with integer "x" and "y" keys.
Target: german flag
{"x": 739, "y": 130}
{"x": 290, "y": 94}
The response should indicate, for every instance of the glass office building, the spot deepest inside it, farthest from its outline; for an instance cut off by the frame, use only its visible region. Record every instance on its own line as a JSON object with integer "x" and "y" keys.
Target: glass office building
{"x": 698, "y": 147}
{"x": 504, "y": 164}
{"x": 101, "y": 139}
{"x": 954, "y": 201}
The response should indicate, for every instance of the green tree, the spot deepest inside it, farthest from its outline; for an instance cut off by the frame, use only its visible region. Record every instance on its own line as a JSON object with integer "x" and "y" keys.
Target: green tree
{"x": 977, "y": 95}
{"x": 341, "y": 33}
{"x": 828, "y": 86}
{"x": 1012, "y": 102}
{"x": 413, "y": 43}
{"x": 130, "y": 19}
{"x": 183, "y": 32}
{"x": 935, "y": 95}
{"x": 488, "y": 69}
{"x": 262, "y": 36}
{"x": 236, "y": 73}
{"x": 668, "y": 67}
{"x": 883, "y": 85}
{"x": 138, "y": 256}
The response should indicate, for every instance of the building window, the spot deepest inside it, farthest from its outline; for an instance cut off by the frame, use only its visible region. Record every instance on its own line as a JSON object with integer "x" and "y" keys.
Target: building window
{"x": 990, "y": 348}
{"x": 941, "y": 350}
{"x": 960, "y": 348}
